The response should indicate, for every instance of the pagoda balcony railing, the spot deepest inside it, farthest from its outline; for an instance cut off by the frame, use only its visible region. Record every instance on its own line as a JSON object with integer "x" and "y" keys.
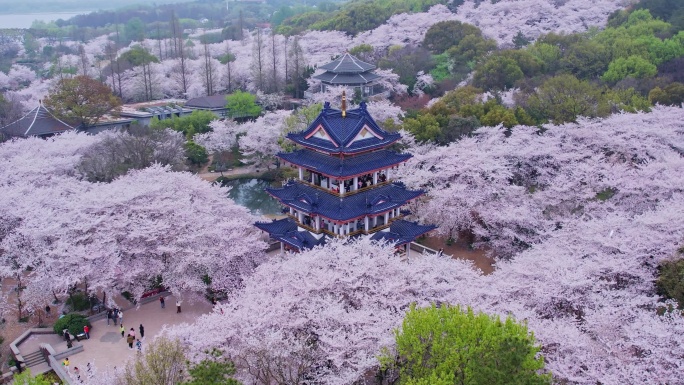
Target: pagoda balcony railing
{"x": 347, "y": 193}
{"x": 359, "y": 231}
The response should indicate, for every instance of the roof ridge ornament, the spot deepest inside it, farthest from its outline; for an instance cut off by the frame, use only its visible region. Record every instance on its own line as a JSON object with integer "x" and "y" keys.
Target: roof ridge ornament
{"x": 344, "y": 104}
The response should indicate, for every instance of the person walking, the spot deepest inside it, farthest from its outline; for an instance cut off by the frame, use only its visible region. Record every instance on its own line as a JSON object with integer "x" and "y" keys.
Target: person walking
{"x": 142, "y": 331}
{"x": 178, "y": 306}
{"x": 86, "y": 331}
{"x": 109, "y": 315}
{"x": 67, "y": 337}
{"x": 131, "y": 332}
{"x": 65, "y": 363}
{"x": 115, "y": 316}
{"x": 123, "y": 330}
{"x": 121, "y": 316}
{"x": 138, "y": 345}
{"x": 130, "y": 339}
{"x": 162, "y": 302}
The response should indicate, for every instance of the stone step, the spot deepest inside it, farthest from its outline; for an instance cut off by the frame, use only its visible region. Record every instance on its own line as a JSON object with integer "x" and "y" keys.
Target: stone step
{"x": 33, "y": 359}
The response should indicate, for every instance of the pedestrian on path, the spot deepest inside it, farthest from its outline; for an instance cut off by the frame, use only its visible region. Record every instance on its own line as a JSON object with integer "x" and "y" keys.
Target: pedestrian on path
{"x": 65, "y": 363}
{"x": 178, "y": 304}
{"x": 121, "y": 316}
{"x": 138, "y": 345}
{"x": 86, "y": 331}
{"x": 130, "y": 339}
{"x": 142, "y": 331}
{"x": 162, "y": 302}
{"x": 109, "y": 315}
{"x": 18, "y": 363}
{"x": 115, "y": 315}
{"x": 123, "y": 330}
{"x": 77, "y": 373}
{"x": 132, "y": 332}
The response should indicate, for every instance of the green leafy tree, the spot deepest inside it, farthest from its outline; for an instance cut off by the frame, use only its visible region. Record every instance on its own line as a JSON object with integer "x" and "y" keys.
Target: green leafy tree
{"x": 425, "y": 127}
{"x": 195, "y": 123}
{"x": 564, "y": 97}
{"x": 670, "y": 95}
{"x": 195, "y": 153}
{"x": 519, "y": 40}
{"x": 214, "y": 371}
{"x": 72, "y": 321}
{"x": 363, "y": 52}
{"x": 26, "y": 378}
{"x": 457, "y": 128}
{"x": 549, "y": 56}
{"x": 670, "y": 282}
{"x": 499, "y": 73}
{"x": 443, "y": 35}
{"x": 499, "y": 114}
{"x": 451, "y": 345}
{"x": 633, "y": 66}
{"x": 242, "y": 104}
{"x": 135, "y": 29}
{"x": 82, "y": 100}
{"x": 586, "y": 59}
{"x": 163, "y": 362}
{"x": 628, "y": 100}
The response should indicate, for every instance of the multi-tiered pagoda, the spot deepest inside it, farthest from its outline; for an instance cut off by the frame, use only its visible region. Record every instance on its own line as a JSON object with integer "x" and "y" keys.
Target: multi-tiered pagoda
{"x": 345, "y": 185}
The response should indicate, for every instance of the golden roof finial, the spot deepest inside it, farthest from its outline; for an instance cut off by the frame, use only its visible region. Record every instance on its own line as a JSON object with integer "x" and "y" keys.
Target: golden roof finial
{"x": 344, "y": 104}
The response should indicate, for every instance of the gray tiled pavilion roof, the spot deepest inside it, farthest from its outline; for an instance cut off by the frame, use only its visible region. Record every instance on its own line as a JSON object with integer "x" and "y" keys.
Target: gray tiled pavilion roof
{"x": 38, "y": 122}
{"x": 347, "y": 78}
{"x": 347, "y": 64}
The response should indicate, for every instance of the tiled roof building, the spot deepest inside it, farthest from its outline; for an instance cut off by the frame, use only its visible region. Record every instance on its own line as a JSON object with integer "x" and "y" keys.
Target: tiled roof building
{"x": 38, "y": 122}
{"x": 349, "y": 71}
{"x": 345, "y": 186}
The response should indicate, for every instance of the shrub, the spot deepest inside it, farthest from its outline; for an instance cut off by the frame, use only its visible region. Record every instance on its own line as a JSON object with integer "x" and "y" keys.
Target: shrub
{"x": 72, "y": 321}
{"x": 670, "y": 282}
{"x": 78, "y": 302}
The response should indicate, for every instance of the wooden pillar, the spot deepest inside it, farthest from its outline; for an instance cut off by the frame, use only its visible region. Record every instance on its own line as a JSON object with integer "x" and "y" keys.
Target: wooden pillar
{"x": 282, "y": 247}
{"x": 356, "y": 183}
{"x": 366, "y": 223}
{"x": 408, "y": 250}
{"x": 318, "y": 223}
{"x": 340, "y": 184}
{"x": 375, "y": 177}
{"x": 387, "y": 173}
{"x": 375, "y": 221}
{"x": 335, "y": 228}
{"x": 386, "y": 217}
{"x": 291, "y": 211}
{"x": 301, "y": 173}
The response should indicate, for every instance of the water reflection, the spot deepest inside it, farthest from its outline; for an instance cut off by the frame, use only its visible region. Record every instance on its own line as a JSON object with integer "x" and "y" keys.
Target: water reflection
{"x": 250, "y": 193}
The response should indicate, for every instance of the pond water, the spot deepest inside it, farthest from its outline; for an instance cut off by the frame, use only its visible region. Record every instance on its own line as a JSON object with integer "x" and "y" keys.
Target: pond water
{"x": 250, "y": 193}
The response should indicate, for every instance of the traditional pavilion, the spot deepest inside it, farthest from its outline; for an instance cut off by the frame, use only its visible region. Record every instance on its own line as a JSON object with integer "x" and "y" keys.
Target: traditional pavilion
{"x": 351, "y": 72}
{"x": 38, "y": 122}
{"x": 345, "y": 185}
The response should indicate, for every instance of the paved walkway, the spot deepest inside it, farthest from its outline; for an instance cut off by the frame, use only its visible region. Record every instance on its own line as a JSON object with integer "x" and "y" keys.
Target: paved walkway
{"x": 107, "y": 349}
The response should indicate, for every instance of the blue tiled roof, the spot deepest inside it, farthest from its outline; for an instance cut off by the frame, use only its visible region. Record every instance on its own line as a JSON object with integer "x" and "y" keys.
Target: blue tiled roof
{"x": 344, "y": 167}
{"x": 371, "y": 202}
{"x": 343, "y": 131}
{"x": 286, "y": 230}
{"x": 401, "y": 232}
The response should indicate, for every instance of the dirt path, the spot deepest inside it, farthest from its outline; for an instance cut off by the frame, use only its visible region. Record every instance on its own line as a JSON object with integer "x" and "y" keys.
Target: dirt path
{"x": 460, "y": 250}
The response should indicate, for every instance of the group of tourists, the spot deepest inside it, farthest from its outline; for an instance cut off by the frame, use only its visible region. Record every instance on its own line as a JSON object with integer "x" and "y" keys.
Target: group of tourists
{"x": 116, "y": 315}
{"x": 130, "y": 338}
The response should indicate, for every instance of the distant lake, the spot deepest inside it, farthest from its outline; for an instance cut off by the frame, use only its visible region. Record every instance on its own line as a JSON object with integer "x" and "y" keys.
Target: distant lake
{"x": 25, "y": 20}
